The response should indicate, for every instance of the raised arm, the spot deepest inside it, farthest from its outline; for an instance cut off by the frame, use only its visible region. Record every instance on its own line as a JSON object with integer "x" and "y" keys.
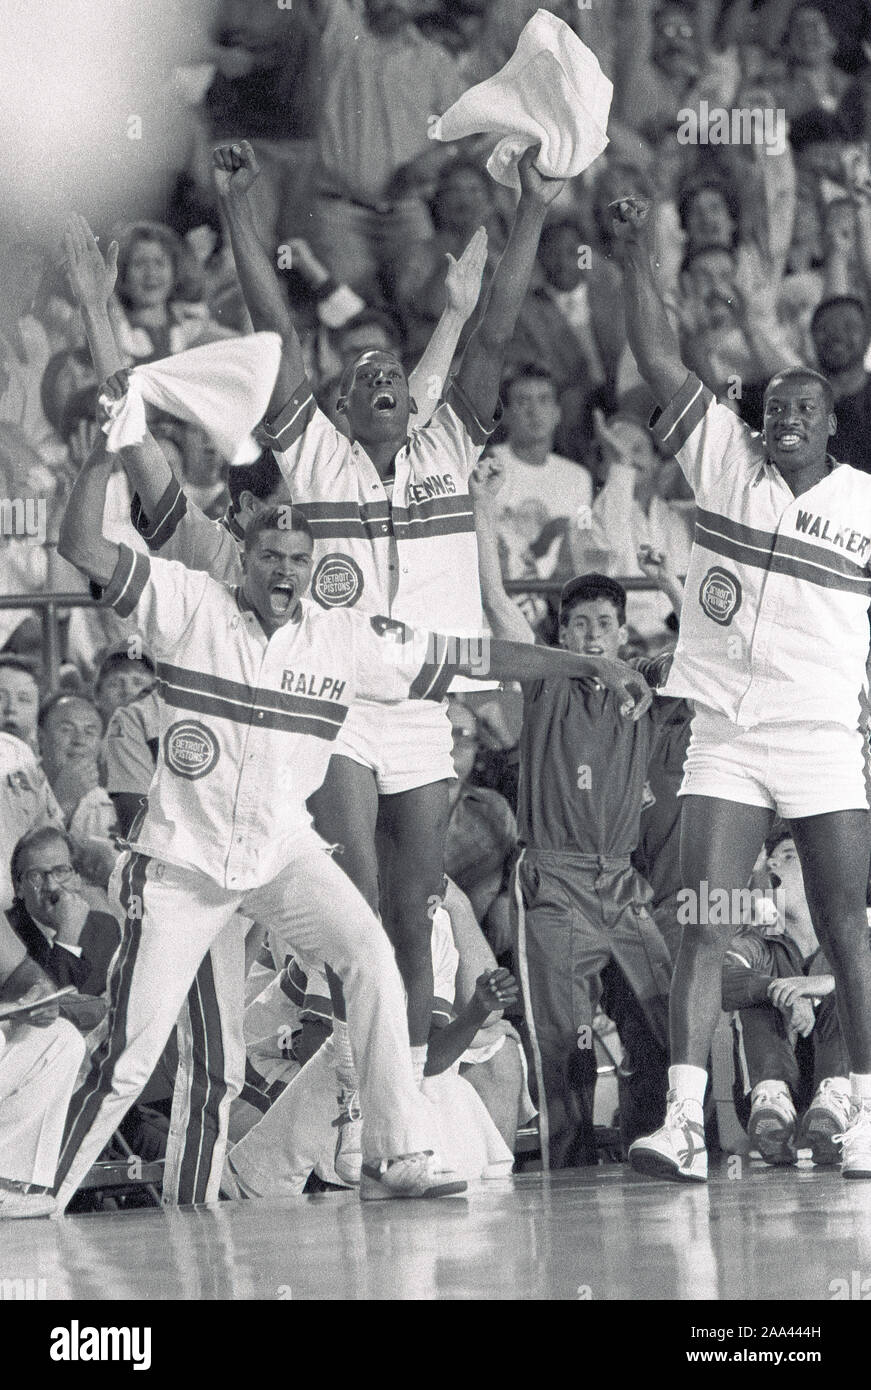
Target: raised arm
{"x": 92, "y": 280}
{"x": 81, "y": 540}
{"x": 651, "y": 337}
{"x": 656, "y": 565}
{"x": 756, "y": 313}
{"x": 481, "y": 368}
{"x": 463, "y": 285}
{"x": 518, "y": 661}
{"x": 236, "y": 169}
{"x": 502, "y": 613}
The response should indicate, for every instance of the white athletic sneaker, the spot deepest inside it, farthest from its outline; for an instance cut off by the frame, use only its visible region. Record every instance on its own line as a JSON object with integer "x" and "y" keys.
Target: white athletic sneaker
{"x": 414, "y": 1175}
{"x": 827, "y": 1115}
{"x": 771, "y": 1127}
{"x": 348, "y": 1160}
{"x": 22, "y": 1206}
{"x": 855, "y": 1143}
{"x": 677, "y": 1151}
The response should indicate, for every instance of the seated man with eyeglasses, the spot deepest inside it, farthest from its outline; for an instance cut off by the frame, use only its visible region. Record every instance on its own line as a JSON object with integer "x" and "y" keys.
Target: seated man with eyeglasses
{"x": 40, "y": 1056}
{"x": 72, "y": 942}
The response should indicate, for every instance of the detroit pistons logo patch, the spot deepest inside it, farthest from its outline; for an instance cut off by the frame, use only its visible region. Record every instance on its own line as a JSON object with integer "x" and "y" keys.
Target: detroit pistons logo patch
{"x": 337, "y": 582}
{"x": 720, "y": 595}
{"x": 190, "y": 749}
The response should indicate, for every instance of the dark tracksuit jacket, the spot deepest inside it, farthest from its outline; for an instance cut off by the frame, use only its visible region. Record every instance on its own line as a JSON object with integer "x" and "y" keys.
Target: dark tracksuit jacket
{"x": 581, "y": 907}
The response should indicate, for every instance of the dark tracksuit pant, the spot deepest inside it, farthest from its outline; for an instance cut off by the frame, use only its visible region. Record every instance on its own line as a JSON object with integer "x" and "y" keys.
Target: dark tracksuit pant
{"x": 584, "y": 937}
{"x": 770, "y": 1056}
{"x": 763, "y": 1051}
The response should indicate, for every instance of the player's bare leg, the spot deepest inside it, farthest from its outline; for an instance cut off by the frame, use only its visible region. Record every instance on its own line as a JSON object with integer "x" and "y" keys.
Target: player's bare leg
{"x": 499, "y": 1083}
{"x": 415, "y": 824}
{"x": 345, "y": 811}
{"x": 720, "y": 841}
{"x": 834, "y": 850}
{"x": 719, "y": 845}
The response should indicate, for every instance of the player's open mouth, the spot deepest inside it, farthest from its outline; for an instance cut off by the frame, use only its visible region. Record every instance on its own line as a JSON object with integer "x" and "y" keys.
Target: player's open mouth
{"x": 384, "y": 401}
{"x": 593, "y": 651}
{"x": 790, "y": 440}
{"x": 280, "y": 599}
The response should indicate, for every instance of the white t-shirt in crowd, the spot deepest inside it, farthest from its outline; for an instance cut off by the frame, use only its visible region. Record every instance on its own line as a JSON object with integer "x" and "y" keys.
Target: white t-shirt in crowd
{"x": 534, "y": 494}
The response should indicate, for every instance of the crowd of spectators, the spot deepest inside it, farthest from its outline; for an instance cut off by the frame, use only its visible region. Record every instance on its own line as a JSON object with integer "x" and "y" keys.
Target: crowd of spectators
{"x": 765, "y": 246}
{"x": 764, "y": 259}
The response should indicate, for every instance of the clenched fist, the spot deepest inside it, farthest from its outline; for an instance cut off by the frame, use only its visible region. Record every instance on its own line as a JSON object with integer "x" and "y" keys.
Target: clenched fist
{"x": 629, "y": 220}
{"x": 235, "y": 168}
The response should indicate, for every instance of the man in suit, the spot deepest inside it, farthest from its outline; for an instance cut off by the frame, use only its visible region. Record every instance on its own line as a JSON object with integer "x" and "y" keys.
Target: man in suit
{"x": 72, "y": 942}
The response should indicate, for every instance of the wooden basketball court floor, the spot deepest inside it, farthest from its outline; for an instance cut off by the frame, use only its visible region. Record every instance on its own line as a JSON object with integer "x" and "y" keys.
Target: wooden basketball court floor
{"x": 752, "y": 1233}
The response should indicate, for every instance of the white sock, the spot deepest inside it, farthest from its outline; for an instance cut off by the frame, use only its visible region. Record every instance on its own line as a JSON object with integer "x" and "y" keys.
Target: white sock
{"x": 860, "y": 1088}
{"x": 688, "y": 1083}
{"x": 418, "y": 1062}
{"x": 771, "y": 1085}
{"x": 346, "y": 1071}
{"x": 841, "y": 1084}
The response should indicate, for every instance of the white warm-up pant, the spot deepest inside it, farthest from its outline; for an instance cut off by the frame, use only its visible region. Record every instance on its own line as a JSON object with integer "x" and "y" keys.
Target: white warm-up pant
{"x": 170, "y": 918}
{"x": 297, "y": 1134}
{"x": 38, "y": 1070}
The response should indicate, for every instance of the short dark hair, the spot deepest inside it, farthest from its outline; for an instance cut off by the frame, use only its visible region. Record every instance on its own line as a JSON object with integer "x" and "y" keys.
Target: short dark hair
{"x": 260, "y": 478}
{"x": 347, "y": 377}
{"x": 462, "y": 166}
{"x": 53, "y": 402}
{"x": 560, "y": 224}
{"x": 50, "y": 705}
{"x": 380, "y": 318}
{"x": 586, "y": 587}
{"x": 690, "y": 192}
{"x": 525, "y": 371}
{"x": 779, "y": 832}
{"x": 81, "y": 406}
{"x": 283, "y": 518}
{"x": 9, "y": 661}
{"x": 833, "y": 302}
{"x": 121, "y": 655}
{"x": 705, "y": 250}
{"x": 817, "y": 127}
{"x": 663, "y": 5}
{"x": 36, "y": 837}
{"x": 803, "y": 374}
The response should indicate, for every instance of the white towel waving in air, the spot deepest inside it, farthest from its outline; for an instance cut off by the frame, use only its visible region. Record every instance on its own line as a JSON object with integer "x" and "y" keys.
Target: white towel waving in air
{"x": 551, "y": 93}
{"x": 224, "y": 387}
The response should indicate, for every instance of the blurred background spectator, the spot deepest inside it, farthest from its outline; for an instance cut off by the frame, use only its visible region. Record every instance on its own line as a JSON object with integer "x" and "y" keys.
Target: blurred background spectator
{"x": 70, "y": 734}
{"x": 482, "y": 834}
{"x": 543, "y": 495}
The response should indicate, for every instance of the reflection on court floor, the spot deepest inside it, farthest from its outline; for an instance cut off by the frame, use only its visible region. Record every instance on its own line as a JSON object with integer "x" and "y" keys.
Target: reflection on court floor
{"x": 753, "y": 1233}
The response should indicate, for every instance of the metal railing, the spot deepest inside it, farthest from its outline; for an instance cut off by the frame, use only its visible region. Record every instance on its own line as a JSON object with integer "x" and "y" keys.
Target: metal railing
{"x": 632, "y": 584}
{"x": 49, "y": 606}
